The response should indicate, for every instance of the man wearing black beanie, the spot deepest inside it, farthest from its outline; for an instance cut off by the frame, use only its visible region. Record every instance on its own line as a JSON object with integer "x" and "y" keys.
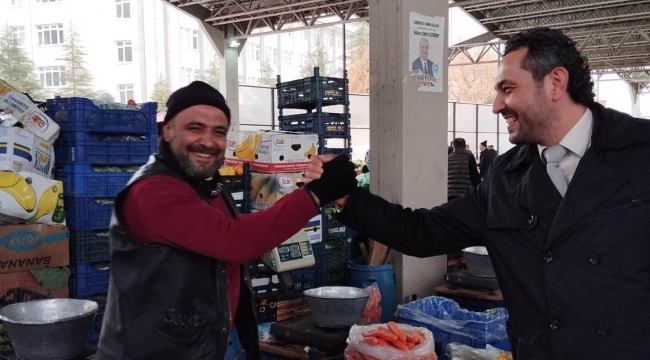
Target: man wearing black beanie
{"x": 178, "y": 289}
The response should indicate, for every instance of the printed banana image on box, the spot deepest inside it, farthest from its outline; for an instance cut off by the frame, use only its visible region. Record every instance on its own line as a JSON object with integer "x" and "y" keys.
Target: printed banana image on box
{"x": 266, "y": 189}
{"x": 242, "y": 147}
{"x": 20, "y": 150}
{"x": 32, "y": 197}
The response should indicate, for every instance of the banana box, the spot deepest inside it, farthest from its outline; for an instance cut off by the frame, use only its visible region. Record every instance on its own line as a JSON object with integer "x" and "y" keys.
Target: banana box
{"x": 29, "y": 281}
{"x": 29, "y": 196}
{"x": 281, "y": 151}
{"x": 20, "y": 150}
{"x": 33, "y": 246}
{"x": 267, "y": 188}
{"x": 241, "y": 147}
{"x": 28, "y": 114}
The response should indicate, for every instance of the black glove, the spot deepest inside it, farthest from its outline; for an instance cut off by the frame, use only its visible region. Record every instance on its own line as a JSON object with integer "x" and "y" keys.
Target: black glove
{"x": 338, "y": 180}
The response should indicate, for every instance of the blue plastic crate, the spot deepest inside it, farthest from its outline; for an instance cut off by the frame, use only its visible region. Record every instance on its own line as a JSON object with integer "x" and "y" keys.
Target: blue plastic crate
{"x": 89, "y": 279}
{"x": 80, "y": 114}
{"x": 311, "y": 92}
{"x": 240, "y": 183}
{"x": 89, "y": 246}
{"x": 92, "y": 335}
{"x": 336, "y": 151}
{"x": 326, "y": 125}
{"x": 94, "y": 181}
{"x": 79, "y": 147}
{"x": 449, "y": 323}
{"x": 87, "y": 213}
{"x": 330, "y": 269}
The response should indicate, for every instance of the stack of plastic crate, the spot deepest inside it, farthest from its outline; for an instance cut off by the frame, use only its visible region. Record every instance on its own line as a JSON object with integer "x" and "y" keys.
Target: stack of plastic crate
{"x": 313, "y": 94}
{"x": 97, "y": 152}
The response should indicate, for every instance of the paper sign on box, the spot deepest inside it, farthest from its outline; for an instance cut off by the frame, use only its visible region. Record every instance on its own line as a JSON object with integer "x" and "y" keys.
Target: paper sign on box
{"x": 33, "y": 246}
{"x": 28, "y": 114}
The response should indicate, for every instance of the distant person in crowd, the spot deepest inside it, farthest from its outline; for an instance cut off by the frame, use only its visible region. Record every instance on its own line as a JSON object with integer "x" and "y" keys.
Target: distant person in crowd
{"x": 491, "y": 147}
{"x": 564, "y": 214}
{"x": 462, "y": 174}
{"x": 450, "y": 148}
{"x": 423, "y": 63}
{"x": 486, "y": 158}
{"x": 179, "y": 287}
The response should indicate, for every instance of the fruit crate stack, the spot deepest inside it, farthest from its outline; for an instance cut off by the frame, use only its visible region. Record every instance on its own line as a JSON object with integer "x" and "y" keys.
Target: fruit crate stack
{"x": 312, "y": 94}
{"x": 97, "y": 152}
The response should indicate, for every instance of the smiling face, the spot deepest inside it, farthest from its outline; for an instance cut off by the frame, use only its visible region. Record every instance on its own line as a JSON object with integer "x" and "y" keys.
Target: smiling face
{"x": 197, "y": 138}
{"x": 523, "y": 102}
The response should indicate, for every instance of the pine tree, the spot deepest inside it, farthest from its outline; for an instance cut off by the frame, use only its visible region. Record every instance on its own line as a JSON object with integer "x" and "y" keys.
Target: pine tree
{"x": 160, "y": 94}
{"x": 16, "y": 68}
{"x": 267, "y": 77}
{"x": 78, "y": 80}
{"x": 316, "y": 58}
{"x": 359, "y": 61}
{"x": 211, "y": 74}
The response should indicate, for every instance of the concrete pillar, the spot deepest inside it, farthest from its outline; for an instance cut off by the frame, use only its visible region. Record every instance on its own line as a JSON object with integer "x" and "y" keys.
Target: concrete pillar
{"x": 635, "y": 100}
{"x": 408, "y": 130}
{"x": 229, "y": 72}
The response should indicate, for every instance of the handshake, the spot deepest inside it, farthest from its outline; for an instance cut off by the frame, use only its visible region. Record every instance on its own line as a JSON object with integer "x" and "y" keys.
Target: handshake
{"x": 330, "y": 178}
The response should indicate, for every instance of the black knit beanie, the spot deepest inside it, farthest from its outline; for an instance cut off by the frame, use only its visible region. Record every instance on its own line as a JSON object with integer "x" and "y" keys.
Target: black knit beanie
{"x": 196, "y": 93}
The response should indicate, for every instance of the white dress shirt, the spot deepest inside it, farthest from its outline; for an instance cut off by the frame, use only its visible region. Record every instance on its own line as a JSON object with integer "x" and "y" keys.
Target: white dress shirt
{"x": 576, "y": 141}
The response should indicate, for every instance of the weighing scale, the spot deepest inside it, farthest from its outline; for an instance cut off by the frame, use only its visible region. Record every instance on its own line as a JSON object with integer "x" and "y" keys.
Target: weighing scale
{"x": 294, "y": 253}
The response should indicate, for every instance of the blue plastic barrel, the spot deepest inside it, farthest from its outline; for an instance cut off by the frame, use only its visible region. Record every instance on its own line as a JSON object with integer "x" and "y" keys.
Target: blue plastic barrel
{"x": 361, "y": 275}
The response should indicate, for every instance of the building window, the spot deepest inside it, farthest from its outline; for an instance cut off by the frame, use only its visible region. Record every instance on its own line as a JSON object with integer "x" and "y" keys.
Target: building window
{"x": 47, "y": 1}
{"x": 188, "y": 75}
{"x": 16, "y": 2}
{"x": 18, "y": 33}
{"x": 315, "y": 35}
{"x": 189, "y": 38}
{"x": 123, "y": 8}
{"x": 328, "y": 40}
{"x": 339, "y": 42}
{"x": 51, "y": 76}
{"x": 305, "y": 35}
{"x": 286, "y": 57}
{"x": 124, "y": 51}
{"x": 50, "y": 34}
{"x": 275, "y": 56}
{"x": 126, "y": 92}
{"x": 255, "y": 52}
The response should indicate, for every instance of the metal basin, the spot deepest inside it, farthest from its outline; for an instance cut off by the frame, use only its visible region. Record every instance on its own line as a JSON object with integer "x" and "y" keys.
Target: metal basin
{"x": 478, "y": 262}
{"x": 336, "y": 307}
{"x": 52, "y": 329}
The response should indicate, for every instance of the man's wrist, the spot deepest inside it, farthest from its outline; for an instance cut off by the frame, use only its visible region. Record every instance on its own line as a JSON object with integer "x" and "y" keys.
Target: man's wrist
{"x": 340, "y": 203}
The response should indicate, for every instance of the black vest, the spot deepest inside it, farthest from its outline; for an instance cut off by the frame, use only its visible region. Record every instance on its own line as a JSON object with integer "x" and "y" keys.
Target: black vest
{"x": 167, "y": 303}
{"x": 458, "y": 179}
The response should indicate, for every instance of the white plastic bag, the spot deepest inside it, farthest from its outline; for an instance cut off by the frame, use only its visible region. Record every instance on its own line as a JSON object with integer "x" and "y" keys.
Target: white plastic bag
{"x": 358, "y": 349}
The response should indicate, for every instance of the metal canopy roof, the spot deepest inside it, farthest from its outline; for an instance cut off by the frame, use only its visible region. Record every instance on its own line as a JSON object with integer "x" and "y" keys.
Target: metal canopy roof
{"x": 613, "y": 34}
{"x": 268, "y": 16}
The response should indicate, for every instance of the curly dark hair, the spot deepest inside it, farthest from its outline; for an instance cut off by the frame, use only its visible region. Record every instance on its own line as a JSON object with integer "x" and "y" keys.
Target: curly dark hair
{"x": 550, "y": 48}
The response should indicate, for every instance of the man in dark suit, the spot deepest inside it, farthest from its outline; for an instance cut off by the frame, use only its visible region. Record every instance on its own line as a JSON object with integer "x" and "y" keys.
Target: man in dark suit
{"x": 486, "y": 158}
{"x": 564, "y": 214}
{"x": 423, "y": 63}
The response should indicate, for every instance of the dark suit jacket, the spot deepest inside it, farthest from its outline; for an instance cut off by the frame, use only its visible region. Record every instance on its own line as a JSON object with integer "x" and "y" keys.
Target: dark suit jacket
{"x": 417, "y": 65}
{"x": 574, "y": 271}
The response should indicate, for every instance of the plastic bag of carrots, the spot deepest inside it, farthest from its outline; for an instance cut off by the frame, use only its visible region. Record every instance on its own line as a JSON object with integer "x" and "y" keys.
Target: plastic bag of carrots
{"x": 390, "y": 341}
{"x": 372, "y": 312}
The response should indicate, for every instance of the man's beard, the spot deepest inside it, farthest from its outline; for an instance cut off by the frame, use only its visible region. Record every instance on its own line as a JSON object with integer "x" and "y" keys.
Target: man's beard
{"x": 187, "y": 166}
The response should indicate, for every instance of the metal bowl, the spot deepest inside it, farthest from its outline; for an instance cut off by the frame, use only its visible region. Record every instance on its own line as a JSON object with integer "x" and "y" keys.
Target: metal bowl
{"x": 336, "y": 307}
{"x": 48, "y": 329}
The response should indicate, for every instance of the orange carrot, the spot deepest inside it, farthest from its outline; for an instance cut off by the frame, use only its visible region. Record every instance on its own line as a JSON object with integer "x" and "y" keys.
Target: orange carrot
{"x": 367, "y": 357}
{"x": 401, "y": 335}
{"x": 383, "y": 335}
{"x": 399, "y": 345}
{"x": 410, "y": 345}
{"x": 383, "y": 342}
{"x": 370, "y": 340}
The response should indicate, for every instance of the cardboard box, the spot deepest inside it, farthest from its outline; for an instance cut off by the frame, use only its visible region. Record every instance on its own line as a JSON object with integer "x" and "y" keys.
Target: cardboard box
{"x": 242, "y": 147}
{"x": 27, "y": 113}
{"x": 267, "y": 188}
{"x": 29, "y": 196}
{"x": 26, "y": 280}
{"x": 285, "y": 151}
{"x": 20, "y": 150}
{"x": 271, "y": 151}
{"x": 33, "y": 246}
